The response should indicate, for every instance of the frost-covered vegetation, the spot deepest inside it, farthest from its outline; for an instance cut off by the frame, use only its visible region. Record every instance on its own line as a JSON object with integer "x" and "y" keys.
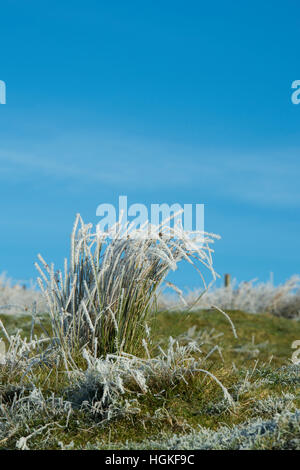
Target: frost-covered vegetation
{"x": 161, "y": 401}
{"x": 93, "y": 365}
{"x": 251, "y": 297}
{"x": 282, "y": 431}
{"x": 16, "y": 298}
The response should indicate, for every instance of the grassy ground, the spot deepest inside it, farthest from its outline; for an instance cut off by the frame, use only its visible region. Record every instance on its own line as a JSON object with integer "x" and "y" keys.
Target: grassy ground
{"x": 253, "y": 367}
{"x": 273, "y": 335}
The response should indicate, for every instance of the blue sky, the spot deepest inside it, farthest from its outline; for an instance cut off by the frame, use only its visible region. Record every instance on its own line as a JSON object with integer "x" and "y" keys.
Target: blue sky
{"x": 164, "y": 101}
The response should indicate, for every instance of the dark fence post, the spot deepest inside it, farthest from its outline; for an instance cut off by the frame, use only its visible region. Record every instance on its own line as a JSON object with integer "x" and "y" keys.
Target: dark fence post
{"x": 227, "y": 280}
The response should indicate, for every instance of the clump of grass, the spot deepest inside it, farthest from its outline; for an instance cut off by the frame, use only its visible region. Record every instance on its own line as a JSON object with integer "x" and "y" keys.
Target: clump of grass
{"x": 108, "y": 289}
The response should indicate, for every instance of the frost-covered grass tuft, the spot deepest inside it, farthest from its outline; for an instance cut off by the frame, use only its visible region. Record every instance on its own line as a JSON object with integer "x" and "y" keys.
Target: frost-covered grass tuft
{"x": 108, "y": 289}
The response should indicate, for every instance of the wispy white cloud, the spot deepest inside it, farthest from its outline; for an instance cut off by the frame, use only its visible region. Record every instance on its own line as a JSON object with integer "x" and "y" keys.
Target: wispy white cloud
{"x": 262, "y": 178}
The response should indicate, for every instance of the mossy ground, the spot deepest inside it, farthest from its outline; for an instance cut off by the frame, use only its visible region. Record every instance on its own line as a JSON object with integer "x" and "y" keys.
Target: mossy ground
{"x": 262, "y": 347}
